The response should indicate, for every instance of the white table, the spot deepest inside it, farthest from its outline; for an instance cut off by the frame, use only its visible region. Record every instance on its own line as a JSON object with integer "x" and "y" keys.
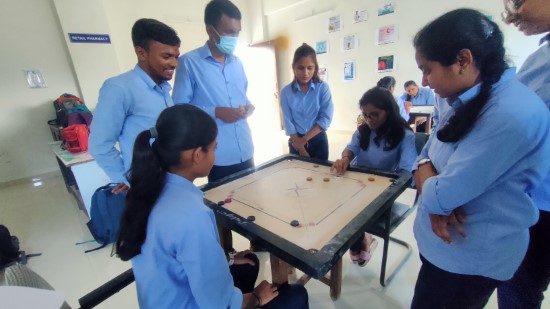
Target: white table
{"x": 87, "y": 174}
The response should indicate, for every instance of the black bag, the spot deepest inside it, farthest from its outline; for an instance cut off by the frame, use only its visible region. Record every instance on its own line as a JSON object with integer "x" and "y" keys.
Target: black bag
{"x": 105, "y": 213}
{"x": 9, "y": 247}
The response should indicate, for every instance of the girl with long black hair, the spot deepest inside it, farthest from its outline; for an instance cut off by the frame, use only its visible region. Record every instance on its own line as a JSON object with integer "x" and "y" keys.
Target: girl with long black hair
{"x": 168, "y": 232}
{"x": 385, "y": 142}
{"x": 475, "y": 175}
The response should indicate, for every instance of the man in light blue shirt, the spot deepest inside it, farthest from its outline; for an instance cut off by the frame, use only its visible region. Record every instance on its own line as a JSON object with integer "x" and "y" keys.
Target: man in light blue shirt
{"x": 526, "y": 288}
{"x": 213, "y": 79}
{"x": 416, "y": 95}
{"x": 131, "y": 102}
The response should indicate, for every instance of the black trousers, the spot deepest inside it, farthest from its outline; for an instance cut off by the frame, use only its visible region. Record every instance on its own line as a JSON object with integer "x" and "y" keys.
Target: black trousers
{"x": 526, "y": 288}
{"x": 245, "y": 275}
{"x": 436, "y": 288}
{"x": 291, "y": 296}
{"x": 317, "y": 147}
{"x": 218, "y": 172}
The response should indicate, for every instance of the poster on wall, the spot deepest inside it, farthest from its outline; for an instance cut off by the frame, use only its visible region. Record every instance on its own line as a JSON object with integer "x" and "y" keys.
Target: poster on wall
{"x": 349, "y": 70}
{"x": 360, "y": 16}
{"x": 350, "y": 42}
{"x": 321, "y": 47}
{"x": 386, "y": 64}
{"x": 334, "y": 24}
{"x": 323, "y": 73}
{"x": 386, "y": 35}
{"x": 388, "y": 7}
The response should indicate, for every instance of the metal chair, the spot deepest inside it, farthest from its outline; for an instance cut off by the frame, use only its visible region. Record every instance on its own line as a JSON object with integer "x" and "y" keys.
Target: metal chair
{"x": 391, "y": 220}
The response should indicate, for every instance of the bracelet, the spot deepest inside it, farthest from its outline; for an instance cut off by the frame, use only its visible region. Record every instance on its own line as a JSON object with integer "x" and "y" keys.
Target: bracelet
{"x": 257, "y": 299}
{"x": 349, "y": 157}
{"x": 231, "y": 260}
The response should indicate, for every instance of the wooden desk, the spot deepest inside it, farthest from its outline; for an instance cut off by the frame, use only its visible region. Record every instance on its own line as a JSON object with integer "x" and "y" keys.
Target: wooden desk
{"x": 81, "y": 173}
{"x": 425, "y": 111}
{"x": 307, "y": 223}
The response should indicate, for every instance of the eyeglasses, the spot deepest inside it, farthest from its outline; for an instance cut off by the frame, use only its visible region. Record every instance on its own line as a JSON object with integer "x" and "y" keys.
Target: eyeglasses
{"x": 510, "y": 10}
{"x": 373, "y": 115}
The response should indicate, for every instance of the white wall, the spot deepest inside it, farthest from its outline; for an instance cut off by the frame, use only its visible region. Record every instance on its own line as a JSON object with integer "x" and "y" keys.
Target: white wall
{"x": 409, "y": 18}
{"x": 31, "y": 39}
{"x": 34, "y": 36}
{"x": 93, "y": 63}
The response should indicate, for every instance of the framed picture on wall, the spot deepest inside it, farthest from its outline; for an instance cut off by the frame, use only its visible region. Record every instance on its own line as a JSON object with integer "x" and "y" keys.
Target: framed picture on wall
{"x": 334, "y": 24}
{"x": 349, "y": 70}
{"x": 360, "y": 16}
{"x": 323, "y": 72}
{"x": 350, "y": 42}
{"x": 386, "y": 64}
{"x": 386, "y": 35}
{"x": 388, "y": 7}
{"x": 321, "y": 47}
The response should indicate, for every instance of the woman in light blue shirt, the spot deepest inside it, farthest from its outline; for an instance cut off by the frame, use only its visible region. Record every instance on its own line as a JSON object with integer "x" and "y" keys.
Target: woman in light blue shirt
{"x": 384, "y": 142}
{"x": 168, "y": 232}
{"x": 476, "y": 174}
{"x": 307, "y": 107}
{"x": 388, "y": 82}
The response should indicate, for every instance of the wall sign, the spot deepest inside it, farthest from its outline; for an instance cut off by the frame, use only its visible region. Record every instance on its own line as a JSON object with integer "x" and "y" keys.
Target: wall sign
{"x": 89, "y": 38}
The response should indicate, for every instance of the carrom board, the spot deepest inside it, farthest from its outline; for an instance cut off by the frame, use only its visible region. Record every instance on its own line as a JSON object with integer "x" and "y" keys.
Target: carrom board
{"x": 297, "y": 207}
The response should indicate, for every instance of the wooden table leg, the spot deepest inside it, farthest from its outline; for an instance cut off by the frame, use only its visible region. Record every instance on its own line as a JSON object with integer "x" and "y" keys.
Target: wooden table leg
{"x": 336, "y": 280}
{"x": 429, "y": 125}
{"x": 279, "y": 270}
{"x": 226, "y": 238}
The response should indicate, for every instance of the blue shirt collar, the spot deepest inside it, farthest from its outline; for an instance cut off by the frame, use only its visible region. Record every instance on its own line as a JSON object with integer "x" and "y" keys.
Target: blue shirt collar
{"x": 545, "y": 39}
{"x": 469, "y": 94}
{"x": 149, "y": 81}
{"x": 296, "y": 86}
{"x": 184, "y": 183}
{"x": 205, "y": 53}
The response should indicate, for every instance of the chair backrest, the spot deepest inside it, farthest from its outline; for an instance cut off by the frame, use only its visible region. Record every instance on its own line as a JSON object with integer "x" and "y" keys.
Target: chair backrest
{"x": 20, "y": 275}
{"x": 420, "y": 139}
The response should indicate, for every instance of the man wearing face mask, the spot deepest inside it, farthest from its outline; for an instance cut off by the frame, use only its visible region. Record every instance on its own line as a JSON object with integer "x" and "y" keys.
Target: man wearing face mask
{"x": 213, "y": 79}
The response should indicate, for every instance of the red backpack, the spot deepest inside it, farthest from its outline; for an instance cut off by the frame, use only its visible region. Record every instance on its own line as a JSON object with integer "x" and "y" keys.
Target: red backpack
{"x": 75, "y": 138}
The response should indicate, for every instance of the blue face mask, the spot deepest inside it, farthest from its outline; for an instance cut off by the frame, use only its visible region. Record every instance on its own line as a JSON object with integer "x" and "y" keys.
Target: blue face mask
{"x": 227, "y": 44}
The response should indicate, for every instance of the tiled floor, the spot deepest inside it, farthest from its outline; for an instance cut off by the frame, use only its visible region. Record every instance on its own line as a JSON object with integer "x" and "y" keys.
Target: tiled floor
{"x": 47, "y": 220}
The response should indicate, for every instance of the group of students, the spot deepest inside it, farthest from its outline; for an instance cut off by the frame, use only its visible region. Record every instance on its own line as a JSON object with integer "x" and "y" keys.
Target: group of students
{"x": 476, "y": 175}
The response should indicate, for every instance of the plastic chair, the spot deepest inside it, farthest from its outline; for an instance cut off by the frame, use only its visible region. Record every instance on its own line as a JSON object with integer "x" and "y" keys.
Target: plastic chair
{"x": 18, "y": 274}
{"x": 391, "y": 220}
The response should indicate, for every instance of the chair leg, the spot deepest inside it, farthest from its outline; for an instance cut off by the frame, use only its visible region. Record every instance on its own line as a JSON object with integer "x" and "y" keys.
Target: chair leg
{"x": 383, "y": 280}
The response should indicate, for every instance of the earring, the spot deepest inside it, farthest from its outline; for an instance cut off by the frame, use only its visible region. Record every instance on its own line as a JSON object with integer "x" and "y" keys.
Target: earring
{"x": 461, "y": 70}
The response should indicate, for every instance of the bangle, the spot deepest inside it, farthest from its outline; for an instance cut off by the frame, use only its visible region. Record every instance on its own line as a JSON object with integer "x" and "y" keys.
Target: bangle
{"x": 349, "y": 157}
{"x": 257, "y": 299}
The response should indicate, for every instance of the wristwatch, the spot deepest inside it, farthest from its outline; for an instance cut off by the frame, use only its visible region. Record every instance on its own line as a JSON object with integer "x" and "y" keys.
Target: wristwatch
{"x": 424, "y": 161}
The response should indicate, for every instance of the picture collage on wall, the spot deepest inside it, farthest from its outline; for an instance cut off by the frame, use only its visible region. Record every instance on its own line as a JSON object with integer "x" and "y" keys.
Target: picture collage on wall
{"x": 386, "y": 34}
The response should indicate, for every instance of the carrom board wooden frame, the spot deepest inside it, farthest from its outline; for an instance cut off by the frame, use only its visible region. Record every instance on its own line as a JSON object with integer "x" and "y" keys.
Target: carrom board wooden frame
{"x": 314, "y": 260}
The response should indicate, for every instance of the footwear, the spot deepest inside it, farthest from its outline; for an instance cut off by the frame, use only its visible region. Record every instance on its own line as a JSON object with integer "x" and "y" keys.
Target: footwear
{"x": 365, "y": 256}
{"x": 354, "y": 257}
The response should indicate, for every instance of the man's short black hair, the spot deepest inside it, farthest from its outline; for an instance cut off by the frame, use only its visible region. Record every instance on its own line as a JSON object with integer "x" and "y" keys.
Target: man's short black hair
{"x": 409, "y": 83}
{"x": 215, "y": 8}
{"x": 146, "y": 30}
